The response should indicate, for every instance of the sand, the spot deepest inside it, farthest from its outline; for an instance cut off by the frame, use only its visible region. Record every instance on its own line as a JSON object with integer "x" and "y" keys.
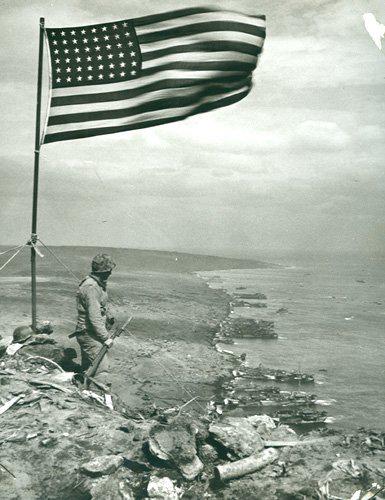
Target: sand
{"x": 166, "y": 358}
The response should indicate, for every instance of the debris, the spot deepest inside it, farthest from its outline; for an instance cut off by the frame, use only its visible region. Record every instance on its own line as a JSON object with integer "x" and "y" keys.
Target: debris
{"x": 44, "y": 384}
{"x": 294, "y": 377}
{"x": 49, "y": 442}
{"x": 280, "y": 444}
{"x": 102, "y": 465}
{"x": 244, "y": 303}
{"x": 162, "y": 488}
{"x": 45, "y": 327}
{"x": 304, "y": 416}
{"x": 108, "y": 401}
{"x": 13, "y": 348}
{"x": 18, "y": 437}
{"x": 93, "y": 395}
{"x": 10, "y": 403}
{"x": 348, "y": 467}
{"x": 238, "y": 435}
{"x": 48, "y": 360}
{"x": 9, "y": 472}
{"x": 33, "y": 435}
{"x": 63, "y": 377}
{"x": 32, "y": 398}
{"x": 257, "y": 296}
{"x": 247, "y": 465}
{"x": 208, "y": 453}
{"x": 248, "y": 328}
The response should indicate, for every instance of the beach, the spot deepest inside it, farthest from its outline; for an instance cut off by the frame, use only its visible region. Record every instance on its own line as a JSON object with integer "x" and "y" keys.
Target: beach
{"x": 328, "y": 313}
{"x": 165, "y": 357}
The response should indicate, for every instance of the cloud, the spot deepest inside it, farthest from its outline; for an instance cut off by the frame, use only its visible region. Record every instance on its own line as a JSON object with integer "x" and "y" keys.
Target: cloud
{"x": 372, "y": 134}
{"x": 212, "y": 135}
{"x": 313, "y": 134}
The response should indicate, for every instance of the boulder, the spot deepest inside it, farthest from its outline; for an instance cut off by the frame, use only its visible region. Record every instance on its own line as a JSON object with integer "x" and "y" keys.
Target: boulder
{"x": 191, "y": 469}
{"x": 263, "y": 424}
{"x": 238, "y": 435}
{"x": 102, "y": 465}
{"x": 176, "y": 444}
{"x": 162, "y": 488}
{"x": 208, "y": 453}
{"x": 282, "y": 433}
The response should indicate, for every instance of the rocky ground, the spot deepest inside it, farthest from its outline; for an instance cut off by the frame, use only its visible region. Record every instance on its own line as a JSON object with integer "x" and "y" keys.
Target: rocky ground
{"x": 60, "y": 442}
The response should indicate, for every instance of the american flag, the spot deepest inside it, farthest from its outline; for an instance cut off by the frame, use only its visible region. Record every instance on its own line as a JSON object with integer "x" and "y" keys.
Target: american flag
{"x": 137, "y": 73}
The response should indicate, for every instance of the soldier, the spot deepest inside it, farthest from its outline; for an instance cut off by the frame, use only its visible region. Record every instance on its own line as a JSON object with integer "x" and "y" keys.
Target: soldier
{"x": 93, "y": 317}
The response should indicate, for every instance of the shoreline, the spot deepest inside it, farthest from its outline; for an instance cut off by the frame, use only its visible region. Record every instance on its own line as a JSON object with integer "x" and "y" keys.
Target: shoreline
{"x": 177, "y": 317}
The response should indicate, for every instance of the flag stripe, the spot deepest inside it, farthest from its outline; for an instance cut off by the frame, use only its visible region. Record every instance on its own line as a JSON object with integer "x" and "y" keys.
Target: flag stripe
{"x": 206, "y": 47}
{"x": 217, "y": 66}
{"x": 199, "y": 18}
{"x": 165, "y": 16}
{"x": 197, "y": 56}
{"x": 194, "y": 29}
{"x": 131, "y": 93}
{"x": 147, "y": 95}
{"x": 134, "y": 84}
{"x": 168, "y": 117}
{"x": 145, "y": 104}
{"x": 211, "y": 36}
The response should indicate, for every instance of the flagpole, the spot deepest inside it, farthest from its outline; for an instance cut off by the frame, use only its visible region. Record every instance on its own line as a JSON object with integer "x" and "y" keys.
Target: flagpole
{"x": 36, "y": 174}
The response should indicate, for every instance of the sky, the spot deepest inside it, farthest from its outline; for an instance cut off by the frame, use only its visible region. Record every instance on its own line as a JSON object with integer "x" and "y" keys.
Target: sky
{"x": 296, "y": 166}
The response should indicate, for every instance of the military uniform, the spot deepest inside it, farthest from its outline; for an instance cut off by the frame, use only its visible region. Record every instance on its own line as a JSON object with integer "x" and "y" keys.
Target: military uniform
{"x": 93, "y": 320}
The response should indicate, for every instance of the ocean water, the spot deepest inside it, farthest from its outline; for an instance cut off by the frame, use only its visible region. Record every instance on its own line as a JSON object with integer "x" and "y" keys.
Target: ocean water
{"x": 334, "y": 328}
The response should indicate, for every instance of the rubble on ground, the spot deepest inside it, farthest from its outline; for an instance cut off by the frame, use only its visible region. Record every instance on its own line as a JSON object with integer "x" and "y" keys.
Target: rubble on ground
{"x": 244, "y": 303}
{"x": 58, "y": 441}
{"x": 248, "y": 328}
{"x": 255, "y": 296}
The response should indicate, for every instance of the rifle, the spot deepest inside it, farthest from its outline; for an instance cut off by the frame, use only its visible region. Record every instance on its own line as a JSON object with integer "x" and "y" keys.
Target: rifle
{"x": 90, "y": 372}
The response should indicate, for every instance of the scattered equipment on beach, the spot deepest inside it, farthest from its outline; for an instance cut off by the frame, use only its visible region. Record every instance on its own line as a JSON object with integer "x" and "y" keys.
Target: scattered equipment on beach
{"x": 261, "y": 373}
{"x": 248, "y": 328}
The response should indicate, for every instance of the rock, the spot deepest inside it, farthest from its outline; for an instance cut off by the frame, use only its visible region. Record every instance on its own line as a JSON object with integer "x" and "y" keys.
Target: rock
{"x": 125, "y": 491}
{"x": 263, "y": 424}
{"x": 282, "y": 433}
{"x": 102, "y": 465}
{"x": 208, "y": 453}
{"x": 162, "y": 488}
{"x": 190, "y": 470}
{"x": 238, "y": 435}
{"x": 176, "y": 444}
{"x": 104, "y": 488}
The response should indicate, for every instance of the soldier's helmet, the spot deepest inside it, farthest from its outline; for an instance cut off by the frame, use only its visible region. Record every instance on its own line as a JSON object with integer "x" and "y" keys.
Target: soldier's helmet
{"x": 102, "y": 263}
{"x": 21, "y": 334}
